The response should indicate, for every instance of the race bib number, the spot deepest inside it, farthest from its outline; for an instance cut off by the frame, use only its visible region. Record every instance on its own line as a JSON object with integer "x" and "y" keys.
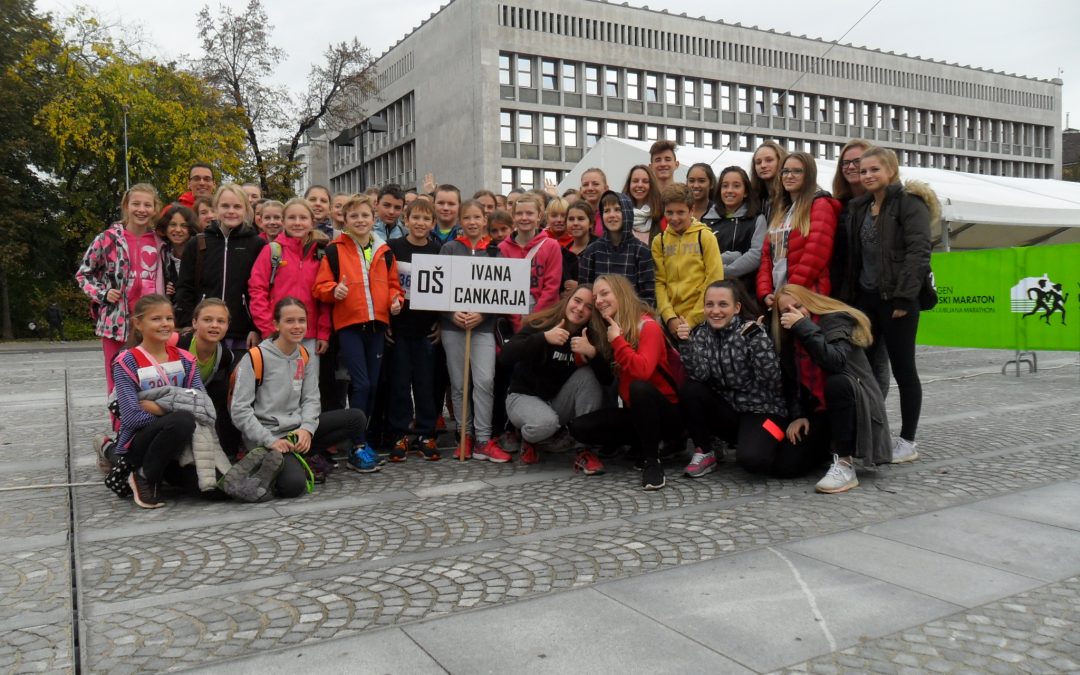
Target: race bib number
{"x": 404, "y": 270}
{"x": 170, "y": 373}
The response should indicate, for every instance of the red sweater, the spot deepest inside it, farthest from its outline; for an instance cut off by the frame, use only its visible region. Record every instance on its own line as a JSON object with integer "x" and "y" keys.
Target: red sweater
{"x": 645, "y": 362}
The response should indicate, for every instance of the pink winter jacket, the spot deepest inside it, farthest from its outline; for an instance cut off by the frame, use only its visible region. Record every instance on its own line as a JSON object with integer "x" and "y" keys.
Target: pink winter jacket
{"x": 295, "y": 276}
{"x": 545, "y": 281}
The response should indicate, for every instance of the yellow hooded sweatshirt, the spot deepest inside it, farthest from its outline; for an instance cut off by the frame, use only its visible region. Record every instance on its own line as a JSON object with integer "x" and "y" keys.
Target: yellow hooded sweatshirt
{"x": 685, "y": 265}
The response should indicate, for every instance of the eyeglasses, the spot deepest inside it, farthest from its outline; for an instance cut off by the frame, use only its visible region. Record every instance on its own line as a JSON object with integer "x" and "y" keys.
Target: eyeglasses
{"x": 844, "y": 163}
{"x": 792, "y": 172}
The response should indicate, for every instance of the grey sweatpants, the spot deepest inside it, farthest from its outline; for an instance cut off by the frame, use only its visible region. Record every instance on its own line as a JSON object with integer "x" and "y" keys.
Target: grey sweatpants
{"x": 481, "y": 379}
{"x": 539, "y": 420}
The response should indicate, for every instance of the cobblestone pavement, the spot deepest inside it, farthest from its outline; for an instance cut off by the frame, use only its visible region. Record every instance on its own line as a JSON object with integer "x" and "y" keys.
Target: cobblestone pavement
{"x": 198, "y": 583}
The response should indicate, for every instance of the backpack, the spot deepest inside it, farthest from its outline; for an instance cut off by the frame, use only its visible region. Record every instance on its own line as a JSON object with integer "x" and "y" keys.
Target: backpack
{"x": 257, "y": 367}
{"x": 672, "y": 369}
{"x": 334, "y": 261}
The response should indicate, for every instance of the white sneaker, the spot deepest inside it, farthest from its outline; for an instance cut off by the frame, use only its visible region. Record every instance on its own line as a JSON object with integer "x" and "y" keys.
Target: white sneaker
{"x": 839, "y": 478}
{"x": 903, "y": 451}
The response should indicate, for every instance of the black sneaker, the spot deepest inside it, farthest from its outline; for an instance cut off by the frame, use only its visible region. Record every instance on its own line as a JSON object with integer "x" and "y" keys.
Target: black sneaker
{"x": 652, "y": 476}
{"x": 400, "y": 451}
{"x": 144, "y": 493}
{"x": 429, "y": 448}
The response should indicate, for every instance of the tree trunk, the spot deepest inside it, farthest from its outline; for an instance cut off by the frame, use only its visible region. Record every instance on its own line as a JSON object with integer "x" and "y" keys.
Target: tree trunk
{"x": 5, "y": 308}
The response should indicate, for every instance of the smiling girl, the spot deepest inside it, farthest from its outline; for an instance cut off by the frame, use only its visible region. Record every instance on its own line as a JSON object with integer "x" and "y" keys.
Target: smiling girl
{"x": 799, "y": 242}
{"x": 175, "y": 226}
{"x": 765, "y": 175}
{"x": 318, "y": 198}
{"x": 122, "y": 264}
{"x": 531, "y": 243}
{"x": 217, "y": 264}
{"x": 280, "y": 411}
{"x": 273, "y": 220}
{"x": 287, "y": 267}
{"x": 642, "y": 188}
{"x": 151, "y": 439}
{"x": 733, "y": 386}
{"x": 741, "y": 230}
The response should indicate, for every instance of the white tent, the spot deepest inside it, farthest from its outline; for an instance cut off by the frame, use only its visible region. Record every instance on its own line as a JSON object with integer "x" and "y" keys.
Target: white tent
{"x": 977, "y": 211}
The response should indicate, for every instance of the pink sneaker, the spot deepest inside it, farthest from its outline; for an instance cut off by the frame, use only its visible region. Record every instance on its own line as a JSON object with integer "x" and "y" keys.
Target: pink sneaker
{"x": 701, "y": 463}
{"x": 492, "y": 453}
{"x": 588, "y": 463}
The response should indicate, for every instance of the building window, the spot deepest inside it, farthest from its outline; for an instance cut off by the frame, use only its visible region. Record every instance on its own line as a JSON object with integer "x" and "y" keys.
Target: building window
{"x": 852, "y": 113}
{"x": 744, "y": 104}
{"x": 526, "y": 178}
{"x": 652, "y": 91}
{"x": 823, "y": 109}
{"x": 633, "y": 86}
{"x": 524, "y": 66}
{"x": 867, "y": 114}
{"x": 759, "y": 100}
{"x": 569, "y": 130}
{"x": 671, "y": 90}
{"x": 708, "y": 139}
{"x": 548, "y": 70}
{"x": 778, "y": 106}
{"x": 592, "y": 132}
{"x": 895, "y": 119}
{"x": 837, "y": 111}
{"x": 551, "y": 131}
{"x": 725, "y": 97}
{"x": 504, "y": 70}
{"x": 525, "y": 127}
{"x": 708, "y": 95}
{"x": 806, "y": 108}
{"x": 569, "y": 77}
{"x": 553, "y": 176}
{"x": 592, "y": 80}
{"x": 652, "y": 133}
{"x": 506, "y": 127}
{"x": 792, "y": 109}
{"x": 671, "y": 134}
{"x": 879, "y": 116}
{"x": 612, "y": 129}
{"x": 633, "y": 130}
{"x": 689, "y": 92}
{"x": 507, "y": 179}
{"x": 611, "y": 82}
{"x": 725, "y": 140}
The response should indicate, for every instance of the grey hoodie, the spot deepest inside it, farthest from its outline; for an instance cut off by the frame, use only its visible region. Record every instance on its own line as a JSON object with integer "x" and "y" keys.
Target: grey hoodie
{"x": 287, "y": 399}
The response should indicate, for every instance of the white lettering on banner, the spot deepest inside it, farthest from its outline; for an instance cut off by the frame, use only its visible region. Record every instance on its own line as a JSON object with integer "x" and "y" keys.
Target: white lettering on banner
{"x": 470, "y": 284}
{"x": 404, "y": 271}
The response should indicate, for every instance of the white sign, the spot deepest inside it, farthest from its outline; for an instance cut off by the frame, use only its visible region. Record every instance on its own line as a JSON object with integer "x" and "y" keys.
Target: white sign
{"x": 450, "y": 283}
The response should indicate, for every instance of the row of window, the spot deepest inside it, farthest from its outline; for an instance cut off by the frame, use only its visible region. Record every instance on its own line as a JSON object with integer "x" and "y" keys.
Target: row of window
{"x": 394, "y": 166}
{"x": 395, "y": 71}
{"x": 695, "y": 45}
{"x": 400, "y": 122}
{"x": 518, "y": 70}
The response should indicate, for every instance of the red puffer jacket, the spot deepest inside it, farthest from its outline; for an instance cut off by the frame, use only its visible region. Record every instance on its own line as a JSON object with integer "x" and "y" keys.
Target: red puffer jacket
{"x": 809, "y": 256}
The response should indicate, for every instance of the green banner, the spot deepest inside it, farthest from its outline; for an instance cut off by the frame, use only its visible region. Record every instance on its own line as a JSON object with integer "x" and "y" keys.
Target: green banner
{"x": 1008, "y": 298}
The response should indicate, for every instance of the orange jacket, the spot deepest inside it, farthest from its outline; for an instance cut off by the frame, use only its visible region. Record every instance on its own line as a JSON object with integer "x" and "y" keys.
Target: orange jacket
{"x": 370, "y": 293}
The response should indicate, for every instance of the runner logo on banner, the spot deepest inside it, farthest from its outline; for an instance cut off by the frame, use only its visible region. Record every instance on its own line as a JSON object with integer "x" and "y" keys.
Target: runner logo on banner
{"x": 470, "y": 284}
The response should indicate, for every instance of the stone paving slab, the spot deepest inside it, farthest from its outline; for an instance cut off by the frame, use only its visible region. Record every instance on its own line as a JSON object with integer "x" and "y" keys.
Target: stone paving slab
{"x": 385, "y": 652}
{"x": 954, "y": 580}
{"x": 768, "y": 608}
{"x": 1019, "y": 546}
{"x": 1057, "y": 505}
{"x": 582, "y": 631}
{"x": 1033, "y": 632}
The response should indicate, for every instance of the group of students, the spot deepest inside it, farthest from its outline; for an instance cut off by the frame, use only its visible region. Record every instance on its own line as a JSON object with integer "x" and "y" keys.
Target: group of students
{"x": 643, "y": 329}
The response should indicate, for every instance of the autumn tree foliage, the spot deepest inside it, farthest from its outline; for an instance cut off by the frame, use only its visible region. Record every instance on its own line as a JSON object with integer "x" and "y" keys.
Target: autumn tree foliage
{"x": 239, "y": 58}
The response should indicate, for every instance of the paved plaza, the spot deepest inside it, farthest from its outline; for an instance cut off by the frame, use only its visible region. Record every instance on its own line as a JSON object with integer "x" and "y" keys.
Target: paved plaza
{"x": 965, "y": 561}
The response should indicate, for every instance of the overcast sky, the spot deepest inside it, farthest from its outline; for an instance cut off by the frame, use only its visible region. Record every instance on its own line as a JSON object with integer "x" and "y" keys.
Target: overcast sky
{"x": 1034, "y": 38}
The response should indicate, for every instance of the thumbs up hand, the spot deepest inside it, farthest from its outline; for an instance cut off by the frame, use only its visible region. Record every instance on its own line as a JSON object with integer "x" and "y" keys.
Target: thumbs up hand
{"x": 342, "y": 289}
{"x": 558, "y": 335}
{"x": 581, "y": 345}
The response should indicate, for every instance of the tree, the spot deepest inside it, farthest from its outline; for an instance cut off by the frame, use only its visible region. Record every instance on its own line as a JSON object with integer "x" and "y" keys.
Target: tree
{"x": 26, "y": 63}
{"x": 172, "y": 121}
{"x": 239, "y": 60}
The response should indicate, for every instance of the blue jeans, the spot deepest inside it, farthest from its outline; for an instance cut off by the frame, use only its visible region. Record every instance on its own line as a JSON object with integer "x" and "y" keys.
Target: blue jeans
{"x": 362, "y": 346}
{"x": 412, "y": 375}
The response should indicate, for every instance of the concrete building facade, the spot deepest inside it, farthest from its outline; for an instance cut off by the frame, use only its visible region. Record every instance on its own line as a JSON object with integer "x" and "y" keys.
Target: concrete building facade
{"x": 502, "y": 93}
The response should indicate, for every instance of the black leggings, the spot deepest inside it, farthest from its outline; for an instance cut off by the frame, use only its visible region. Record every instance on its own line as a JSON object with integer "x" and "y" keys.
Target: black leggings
{"x": 897, "y": 337}
{"x": 648, "y": 418}
{"x": 757, "y": 450}
{"x": 158, "y": 444}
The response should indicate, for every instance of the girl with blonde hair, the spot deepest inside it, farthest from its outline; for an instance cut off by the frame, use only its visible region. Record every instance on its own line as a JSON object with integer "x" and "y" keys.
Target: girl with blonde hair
{"x": 834, "y": 403}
